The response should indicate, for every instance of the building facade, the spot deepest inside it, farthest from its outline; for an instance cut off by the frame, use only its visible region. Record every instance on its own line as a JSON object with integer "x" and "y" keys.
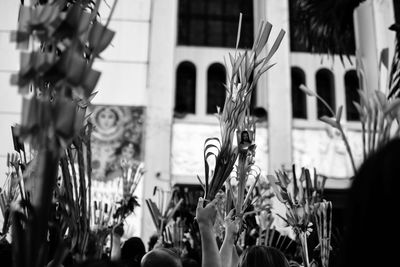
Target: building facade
{"x": 168, "y": 57}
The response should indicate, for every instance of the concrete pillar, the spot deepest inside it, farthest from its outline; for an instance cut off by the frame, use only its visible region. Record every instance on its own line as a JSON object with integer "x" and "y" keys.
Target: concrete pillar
{"x": 372, "y": 19}
{"x": 201, "y": 89}
{"x": 279, "y": 90}
{"x": 160, "y": 103}
{"x": 259, "y": 11}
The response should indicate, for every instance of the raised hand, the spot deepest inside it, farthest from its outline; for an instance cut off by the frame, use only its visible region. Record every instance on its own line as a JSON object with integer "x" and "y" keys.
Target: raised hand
{"x": 206, "y": 216}
{"x": 231, "y": 225}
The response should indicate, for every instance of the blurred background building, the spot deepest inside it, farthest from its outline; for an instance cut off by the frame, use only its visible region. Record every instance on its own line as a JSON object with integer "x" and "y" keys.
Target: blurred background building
{"x": 168, "y": 58}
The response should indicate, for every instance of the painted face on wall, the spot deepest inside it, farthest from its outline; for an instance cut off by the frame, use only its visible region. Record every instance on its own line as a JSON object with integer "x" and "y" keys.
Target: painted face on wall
{"x": 107, "y": 118}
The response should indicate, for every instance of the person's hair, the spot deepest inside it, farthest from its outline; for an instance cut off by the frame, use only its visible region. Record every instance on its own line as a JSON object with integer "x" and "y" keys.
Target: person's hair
{"x": 99, "y": 263}
{"x": 259, "y": 256}
{"x": 371, "y": 204}
{"x": 152, "y": 241}
{"x": 161, "y": 257}
{"x": 126, "y": 143}
{"x": 189, "y": 262}
{"x": 132, "y": 251}
{"x": 5, "y": 253}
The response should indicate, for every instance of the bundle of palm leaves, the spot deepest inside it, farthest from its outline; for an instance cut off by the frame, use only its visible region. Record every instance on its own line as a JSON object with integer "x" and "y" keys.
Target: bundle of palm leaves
{"x": 73, "y": 196}
{"x": 262, "y": 203}
{"x": 244, "y": 170}
{"x": 299, "y": 195}
{"x": 394, "y": 82}
{"x": 379, "y": 117}
{"x": 323, "y": 221}
{"x": 379, "y": 112}
{"x": 63, "y": 39}
{"x": 163, "y": 212}
{"x": 173, "y": 235}
{"x": 245, "y": 70}
{"x": 131, "y": 176}
{"x": 11, "y": 190}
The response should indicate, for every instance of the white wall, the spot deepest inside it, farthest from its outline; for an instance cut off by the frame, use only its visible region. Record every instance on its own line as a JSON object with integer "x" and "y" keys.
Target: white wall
{"x": 124, "y": 63}
{"x": 10, "y": 100}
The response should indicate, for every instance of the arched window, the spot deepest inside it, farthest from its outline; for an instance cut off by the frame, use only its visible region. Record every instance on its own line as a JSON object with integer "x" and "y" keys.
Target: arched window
{"x": 216, "y": 79}
{"x": 326, "y": 90}
{"x": 299, "y": 102}
{"x": 351, "y": 86}
{"x": 185, "y": 91}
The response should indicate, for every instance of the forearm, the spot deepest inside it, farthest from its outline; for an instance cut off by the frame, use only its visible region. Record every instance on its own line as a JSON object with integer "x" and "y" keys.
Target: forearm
{"x": 116, "y": 248}
{"x": 210, "y": 253}
{"x": 227, "y": 250}
{"x": 235, "y": 257}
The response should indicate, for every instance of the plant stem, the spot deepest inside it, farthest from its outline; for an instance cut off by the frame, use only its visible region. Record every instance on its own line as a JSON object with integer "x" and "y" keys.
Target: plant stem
{"x": 326, "y": 105}
{"x": 340, "y": 128}
{"x": 346, "y": 143}
{"x": 304, "y": 249}
{"x": 363, "y": 139}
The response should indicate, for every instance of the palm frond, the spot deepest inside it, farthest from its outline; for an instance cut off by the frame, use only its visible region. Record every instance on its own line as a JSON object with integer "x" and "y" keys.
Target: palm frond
{"x": 394, "y": 81}
{"x": 324, "y": 26}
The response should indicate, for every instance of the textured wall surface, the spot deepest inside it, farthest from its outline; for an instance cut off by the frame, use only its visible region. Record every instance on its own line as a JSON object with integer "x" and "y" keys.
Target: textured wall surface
{"x": 320, "y": 148}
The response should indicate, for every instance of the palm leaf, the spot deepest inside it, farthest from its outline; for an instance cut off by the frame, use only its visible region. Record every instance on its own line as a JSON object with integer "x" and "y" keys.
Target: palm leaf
{"x": 324, "y": 26}
{"x": 394, "y": 81}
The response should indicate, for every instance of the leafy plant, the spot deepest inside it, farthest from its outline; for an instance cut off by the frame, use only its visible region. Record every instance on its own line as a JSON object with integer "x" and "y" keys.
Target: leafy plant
{"x": 323, "y": 221}
{"x": 61, "y": 39}
{"x": 334, "y": 121}
{"x": 299, "y": 195}
{"x": 324, "y": 26}
{"x": 379, "y": 113}
{"x": 246, "y": 68}
{"x": 162, "y": 214}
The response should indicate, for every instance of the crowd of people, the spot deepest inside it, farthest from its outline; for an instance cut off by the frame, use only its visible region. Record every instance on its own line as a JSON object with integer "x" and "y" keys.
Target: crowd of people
{"x": 369, "y": 229}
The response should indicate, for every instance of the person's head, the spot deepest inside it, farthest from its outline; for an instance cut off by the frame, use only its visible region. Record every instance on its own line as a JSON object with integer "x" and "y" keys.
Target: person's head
{"x": 132, "y": 251}
{"x": 5, "y": 253}
{"x": 107, "y": 118}
{"x": 259, "y": 256}
{"x": 127, "y": 150}
{"x": 161, "y": 257}
{"x": 99, "y": 263}
{"x": 152, "y": 241}
{"x": 189, "y": 262}
{"x": 372, "y": 203}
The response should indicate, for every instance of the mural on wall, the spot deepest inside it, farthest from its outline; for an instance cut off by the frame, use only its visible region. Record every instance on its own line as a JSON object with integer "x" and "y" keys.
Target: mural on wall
{"x": 324, "y": 149}
{"x": 116, "y": 138}
{"x": 188, "y": 144}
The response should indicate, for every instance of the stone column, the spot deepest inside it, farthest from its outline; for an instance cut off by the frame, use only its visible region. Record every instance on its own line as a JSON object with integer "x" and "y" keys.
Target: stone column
{"x": 160, "y": 103}
{"x": 279, "y": 90}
